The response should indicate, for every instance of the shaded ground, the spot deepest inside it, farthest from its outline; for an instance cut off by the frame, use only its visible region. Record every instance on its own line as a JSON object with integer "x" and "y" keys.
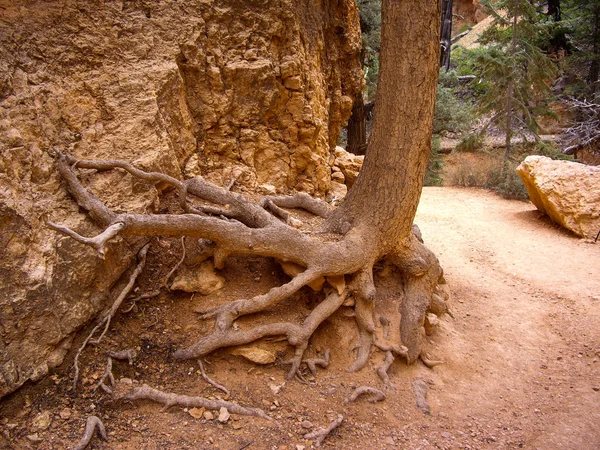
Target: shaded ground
{"x": 522, "y": 354}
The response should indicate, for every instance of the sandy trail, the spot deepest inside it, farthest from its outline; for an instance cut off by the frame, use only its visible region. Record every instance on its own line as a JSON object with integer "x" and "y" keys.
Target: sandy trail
{"x": 523, "y": 351}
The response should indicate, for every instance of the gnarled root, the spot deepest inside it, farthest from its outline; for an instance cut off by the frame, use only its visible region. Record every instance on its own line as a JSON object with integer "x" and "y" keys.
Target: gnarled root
{"x": 234, "y": 225}
{"x": 420, "y": 389}
{"x": 129, "y": 392}
{"x": 382, "y": 370}
{"x": 322, "y": 433}
{"x": 92, "y": 423}
{"x": 375, "y": 395}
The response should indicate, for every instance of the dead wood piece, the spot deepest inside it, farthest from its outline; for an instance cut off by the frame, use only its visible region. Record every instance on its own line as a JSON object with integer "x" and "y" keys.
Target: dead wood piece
{"x": 105, "y": 320}
{"x": 384, "y": 367}
{"x": 322, "y": 433}
{"x": 128, "y": 354}
{"x": 375, "y": 394}
{"x": 145, "y": 392}
{"x": 430, "y": 363}
{"x": 312, "y": 363}
{"x": 211, "y": 382}
{"x": 92, "y": 423}
{"x": 420, "y": 389}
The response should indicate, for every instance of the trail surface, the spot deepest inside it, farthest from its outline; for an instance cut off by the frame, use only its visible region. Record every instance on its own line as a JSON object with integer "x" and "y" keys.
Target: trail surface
{"x": 523, "y": 353}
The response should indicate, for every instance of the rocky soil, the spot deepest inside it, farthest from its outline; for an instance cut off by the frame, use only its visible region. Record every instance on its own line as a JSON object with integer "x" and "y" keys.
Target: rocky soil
{"x": 521, "y": 353}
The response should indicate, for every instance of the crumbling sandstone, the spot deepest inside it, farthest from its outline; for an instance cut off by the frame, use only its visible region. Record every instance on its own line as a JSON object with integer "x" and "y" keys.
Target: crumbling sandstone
{"x": 231, "y": 89}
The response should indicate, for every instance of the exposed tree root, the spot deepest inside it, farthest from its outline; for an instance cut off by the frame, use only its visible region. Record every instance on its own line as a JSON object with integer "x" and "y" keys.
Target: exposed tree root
{"x": 106, "y": 318}
{"x": 98, "y": 242}
{"x": 382, "y": 370}
{"x": 420, "y": 389}
{"x": 232, "y": 224}
{"x": 92, "y": 423}
{"x": 312, "y": 363}
{"x": 128, "y": 354}
{"x": 107, "y": 374}
{"x": 430, "y": 363}
{"x": 375, "y": 394}
{"x": 129, "y": 392}
{"x": 211, "y": 382}
{"x": 320, "y": 435}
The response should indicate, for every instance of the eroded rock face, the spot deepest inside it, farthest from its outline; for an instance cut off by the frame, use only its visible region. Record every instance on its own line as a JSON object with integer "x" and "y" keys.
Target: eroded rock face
{"x": 568, "y": 192}
{"x": 256, "y": 90}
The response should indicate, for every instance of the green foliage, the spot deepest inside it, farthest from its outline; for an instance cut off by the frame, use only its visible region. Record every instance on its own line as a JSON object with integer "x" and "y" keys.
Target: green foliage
{"x": 581, "y": 24}
{"x": 433, "y": 175}
{"x": 370, "y": 26}
{"x": 470, "y": 143}
{"x": 512, "y": 64}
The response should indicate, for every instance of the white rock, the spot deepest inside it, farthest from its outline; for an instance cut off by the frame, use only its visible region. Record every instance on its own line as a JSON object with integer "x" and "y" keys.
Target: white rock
{"x": 568, "y": 192}
{"x": 223, "y": 415}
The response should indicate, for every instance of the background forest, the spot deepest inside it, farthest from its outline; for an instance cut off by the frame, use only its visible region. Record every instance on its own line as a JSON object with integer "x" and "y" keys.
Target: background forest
{"x": 521, "y": 78}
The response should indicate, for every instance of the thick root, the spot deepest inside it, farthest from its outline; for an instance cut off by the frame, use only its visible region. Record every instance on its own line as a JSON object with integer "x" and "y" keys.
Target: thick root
{"x": 375, "y": 395}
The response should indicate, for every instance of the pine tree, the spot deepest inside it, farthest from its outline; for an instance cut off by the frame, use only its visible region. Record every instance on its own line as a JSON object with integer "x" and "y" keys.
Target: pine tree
{"x": 516, "y": 72}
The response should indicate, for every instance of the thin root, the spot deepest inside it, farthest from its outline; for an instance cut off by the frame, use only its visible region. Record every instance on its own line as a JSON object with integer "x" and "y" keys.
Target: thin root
{"x": 92, "y": 423}
{"x": 128, "y": 354}
{"x": 106, "y": 319}
{"x": 211, "y": 382}
{"x": 312, "y": 363}
{"x": 376, "y": 394}
{"x": 145, "y": 392}
{"x": 322, "y": 433}
{"x": 107, "y": 374}
{"x": 430, "y": 363}
{"x": 384, "y": 367}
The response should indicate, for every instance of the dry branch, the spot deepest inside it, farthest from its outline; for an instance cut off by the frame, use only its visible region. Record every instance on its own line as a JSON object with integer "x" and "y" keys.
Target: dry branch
{"x": 322, "y": 433}
{"x": 92, "y": 423}
{"x": 375, "y": 394}
{"x": 128, "y": 392}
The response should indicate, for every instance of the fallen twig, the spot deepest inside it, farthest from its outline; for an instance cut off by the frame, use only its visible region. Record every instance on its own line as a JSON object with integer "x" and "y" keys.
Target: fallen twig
{"x": 420, "y": 389}
{"x": 105, "y": 321}
{"x": 145, "y": 392}
{"x": 322, "y": 433}
{"x": 90, "y": 426}
{"x": 211, "y": 382}
{"x": 376, "y": 394}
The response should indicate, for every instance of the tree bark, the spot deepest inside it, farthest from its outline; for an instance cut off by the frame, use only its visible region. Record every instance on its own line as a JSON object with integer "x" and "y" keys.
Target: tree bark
{"x": 357, "y": 127}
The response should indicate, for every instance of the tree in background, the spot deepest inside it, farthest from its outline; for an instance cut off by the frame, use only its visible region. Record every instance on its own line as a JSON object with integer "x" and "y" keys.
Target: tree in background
{"x": 581, "y": 19}
{"x": 516, "y": 73}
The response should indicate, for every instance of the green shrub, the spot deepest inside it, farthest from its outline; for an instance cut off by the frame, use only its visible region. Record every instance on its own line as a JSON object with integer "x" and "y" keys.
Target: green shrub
{"x": 433, "y": 175}
{"x": 470, "y": 143}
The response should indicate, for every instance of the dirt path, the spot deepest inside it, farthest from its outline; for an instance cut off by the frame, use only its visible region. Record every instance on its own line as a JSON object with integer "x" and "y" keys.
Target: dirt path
{"x": 522, "y": 355}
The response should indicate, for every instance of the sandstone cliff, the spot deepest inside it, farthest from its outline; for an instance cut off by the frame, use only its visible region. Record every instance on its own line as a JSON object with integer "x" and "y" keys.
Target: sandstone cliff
{"x": 257, "y": 89}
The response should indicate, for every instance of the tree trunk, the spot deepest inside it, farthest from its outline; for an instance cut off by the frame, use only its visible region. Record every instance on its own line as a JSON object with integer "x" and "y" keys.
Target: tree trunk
{"x": 357, "y": 127}
{"x": 374, "y": 224}
{"x": 509, "y": 95}
{"x": 446, "y": 34}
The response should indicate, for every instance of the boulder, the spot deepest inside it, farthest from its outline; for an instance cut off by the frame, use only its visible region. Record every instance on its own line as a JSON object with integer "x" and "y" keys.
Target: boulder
{"x": 568, "y": 192}
{"x": 349, "y": 164}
